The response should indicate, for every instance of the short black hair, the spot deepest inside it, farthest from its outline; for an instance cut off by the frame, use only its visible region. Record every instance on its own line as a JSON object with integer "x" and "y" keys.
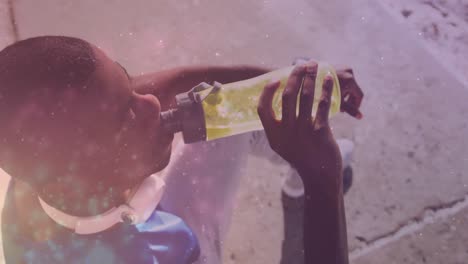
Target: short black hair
{"x": 55, "y": 61}
{"x": 29, "y": 66}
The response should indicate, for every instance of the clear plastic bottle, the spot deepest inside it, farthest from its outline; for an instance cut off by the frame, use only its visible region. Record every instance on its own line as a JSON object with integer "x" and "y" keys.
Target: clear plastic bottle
{"x": 233, "y": 109}
{"x": 215, "y": 111}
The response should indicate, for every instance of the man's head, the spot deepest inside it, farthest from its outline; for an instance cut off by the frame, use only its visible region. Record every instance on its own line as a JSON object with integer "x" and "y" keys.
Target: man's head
{"x": 72, "y": 127}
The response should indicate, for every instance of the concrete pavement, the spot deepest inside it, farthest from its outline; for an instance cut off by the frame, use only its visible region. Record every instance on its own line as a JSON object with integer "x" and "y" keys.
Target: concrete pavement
{"x": 440, "y": 241}
{"x": 411, "y": 153}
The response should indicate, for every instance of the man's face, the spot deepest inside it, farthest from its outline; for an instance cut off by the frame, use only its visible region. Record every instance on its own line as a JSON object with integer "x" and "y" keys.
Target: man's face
{"x": 108, "y": 135}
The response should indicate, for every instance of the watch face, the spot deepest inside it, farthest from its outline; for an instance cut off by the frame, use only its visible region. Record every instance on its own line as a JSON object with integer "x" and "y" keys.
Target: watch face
{"x": 128, "y": 218}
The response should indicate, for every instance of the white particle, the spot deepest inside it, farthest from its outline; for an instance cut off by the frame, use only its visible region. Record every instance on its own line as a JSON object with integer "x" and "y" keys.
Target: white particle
{"x": 131, "y": 33}
{"x": 217, "y": 54}
{"x": 363, "y": 18}
{"x": 267, "y": 36}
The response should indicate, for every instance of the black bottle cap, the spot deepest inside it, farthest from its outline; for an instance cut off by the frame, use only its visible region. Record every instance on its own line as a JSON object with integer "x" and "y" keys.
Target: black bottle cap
{"x": 188, "y": 117}
{"x": 192, "y": 116}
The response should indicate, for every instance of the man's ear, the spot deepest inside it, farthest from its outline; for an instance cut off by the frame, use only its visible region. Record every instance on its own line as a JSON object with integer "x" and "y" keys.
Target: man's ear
{"x": 145, "y": 105}
{"x": 165, "y": 85}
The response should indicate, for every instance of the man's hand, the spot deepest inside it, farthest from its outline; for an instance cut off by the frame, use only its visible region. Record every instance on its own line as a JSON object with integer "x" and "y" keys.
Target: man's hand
{"x": 308, "y": 145}
{"x": 305, "y": 143}
{"x": 351, "y": 93}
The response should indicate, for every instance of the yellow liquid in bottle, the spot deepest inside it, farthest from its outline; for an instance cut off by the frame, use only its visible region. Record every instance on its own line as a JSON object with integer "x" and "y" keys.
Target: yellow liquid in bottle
{"x": 233, "y": 109}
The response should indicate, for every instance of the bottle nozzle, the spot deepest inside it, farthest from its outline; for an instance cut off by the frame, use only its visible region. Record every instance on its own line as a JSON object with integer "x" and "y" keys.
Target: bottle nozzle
{"x": 170, "y": 121}
{"x": 188, "y": 117}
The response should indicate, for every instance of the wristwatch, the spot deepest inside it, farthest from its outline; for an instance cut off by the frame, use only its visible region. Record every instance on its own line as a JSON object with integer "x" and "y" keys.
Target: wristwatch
{"x": 137, "y": 210}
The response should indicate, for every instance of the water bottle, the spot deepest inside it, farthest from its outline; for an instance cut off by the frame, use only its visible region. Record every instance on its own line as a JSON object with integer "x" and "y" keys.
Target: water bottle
{"x": 209, "y": 112}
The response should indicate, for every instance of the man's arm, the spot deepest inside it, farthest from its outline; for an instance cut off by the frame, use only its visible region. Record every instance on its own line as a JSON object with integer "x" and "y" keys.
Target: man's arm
{"x": 325, "y": 238}
{"x": 168, "y": 83}
{"x": 307, "y": 144}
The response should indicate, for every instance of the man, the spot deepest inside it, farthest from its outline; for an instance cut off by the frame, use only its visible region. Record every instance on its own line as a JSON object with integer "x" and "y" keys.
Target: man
{"x": 79, "y": 136}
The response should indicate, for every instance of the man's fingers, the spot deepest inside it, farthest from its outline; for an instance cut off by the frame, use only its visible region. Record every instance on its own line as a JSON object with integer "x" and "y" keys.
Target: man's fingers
{"x": 307, "y": 94}
{"x": 357, "y": 98}
{"x": 265, "y": 109}
{"x": 352, "y": 101}
{"x": 355, "y": 94}
{"x": 289, "y": 98}
{"x": 321, "y": 119}
{"x": 348, "y": 108}
{"x": 346, "y": 76}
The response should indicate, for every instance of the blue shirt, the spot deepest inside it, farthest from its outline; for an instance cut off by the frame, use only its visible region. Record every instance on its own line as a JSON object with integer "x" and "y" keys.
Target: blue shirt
{"x": 163, "y": 238}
